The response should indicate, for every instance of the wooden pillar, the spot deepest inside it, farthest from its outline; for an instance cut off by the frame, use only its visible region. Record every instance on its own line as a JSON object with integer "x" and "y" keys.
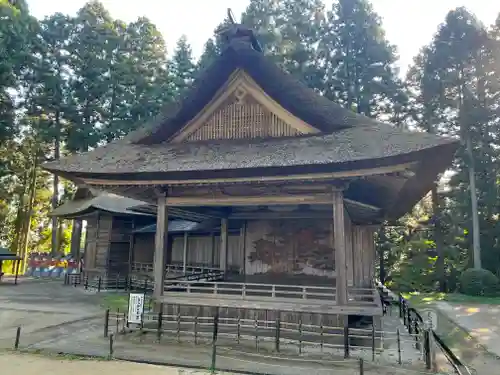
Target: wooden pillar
{"x": 131, "y": 249}
{"x": 357, "y": 249}
{"x": 212, "y": 242}
{"x": 223, "y": 244}
{"x": 339, "y": 245}
{"x": 184, "y": 252}
{"x": 161, "y": 241}
{"x": 349, "y": 247}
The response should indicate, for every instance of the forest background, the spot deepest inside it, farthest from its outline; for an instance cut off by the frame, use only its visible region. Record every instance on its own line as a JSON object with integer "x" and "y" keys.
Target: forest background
{"x": 71, "y": 83}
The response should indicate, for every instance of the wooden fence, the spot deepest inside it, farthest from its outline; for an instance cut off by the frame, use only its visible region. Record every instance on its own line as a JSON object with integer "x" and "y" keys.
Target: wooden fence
{"x": 271, "y": 335}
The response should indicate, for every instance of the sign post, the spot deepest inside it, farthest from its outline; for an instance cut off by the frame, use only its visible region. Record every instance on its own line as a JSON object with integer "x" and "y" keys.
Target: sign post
{"x": 135, "y": 308}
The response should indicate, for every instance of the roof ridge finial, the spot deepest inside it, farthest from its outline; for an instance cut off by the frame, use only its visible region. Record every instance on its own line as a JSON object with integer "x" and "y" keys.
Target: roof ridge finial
{"x": 236, "y": 31}
{"x": 230, "y": 16}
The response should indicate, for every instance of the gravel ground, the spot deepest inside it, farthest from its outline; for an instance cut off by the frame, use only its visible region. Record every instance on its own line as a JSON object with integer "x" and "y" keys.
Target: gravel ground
{"x": 27, "y": 364}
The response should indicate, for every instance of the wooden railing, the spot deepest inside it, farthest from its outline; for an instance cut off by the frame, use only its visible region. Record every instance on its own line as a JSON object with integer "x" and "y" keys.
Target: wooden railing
{"x": 142, "y": 267}
{"x": 363, "y": 296}
{"x": 172, "y": 268}
{"x": 245, "y": 290}
{"x": 179, "y": 269}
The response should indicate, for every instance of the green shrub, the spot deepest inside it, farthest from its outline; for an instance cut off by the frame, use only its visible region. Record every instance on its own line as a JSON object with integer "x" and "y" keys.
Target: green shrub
{"x": 479, "y": 282}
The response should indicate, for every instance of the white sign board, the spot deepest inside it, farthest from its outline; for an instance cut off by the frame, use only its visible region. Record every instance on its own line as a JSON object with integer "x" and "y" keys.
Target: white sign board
{"x": 135, "y": 307}
{"x": 430, "y": 318}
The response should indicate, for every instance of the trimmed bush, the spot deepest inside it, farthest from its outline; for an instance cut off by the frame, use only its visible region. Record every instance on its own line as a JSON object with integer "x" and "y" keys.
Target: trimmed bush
{"x": 480, "y": 282}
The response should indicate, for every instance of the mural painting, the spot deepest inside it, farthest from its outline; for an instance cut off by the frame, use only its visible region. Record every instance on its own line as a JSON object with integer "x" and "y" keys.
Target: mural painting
{"x": 291, "y": 247}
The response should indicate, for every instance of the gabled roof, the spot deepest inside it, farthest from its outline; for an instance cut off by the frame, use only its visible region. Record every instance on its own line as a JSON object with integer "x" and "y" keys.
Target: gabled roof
{"x": 346, "y": 137}
{"x": 288, "y": 91}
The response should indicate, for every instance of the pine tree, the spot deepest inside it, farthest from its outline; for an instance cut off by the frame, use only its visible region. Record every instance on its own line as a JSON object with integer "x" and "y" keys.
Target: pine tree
{"x": 359, "y": 61}
{"x": 182, "y": 66}
{"x": 149, "y": 87}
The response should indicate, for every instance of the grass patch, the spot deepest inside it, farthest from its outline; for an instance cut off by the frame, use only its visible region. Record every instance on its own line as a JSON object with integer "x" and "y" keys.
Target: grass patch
{"x": 422, "y": 299}
{"x": 115, "y": 302}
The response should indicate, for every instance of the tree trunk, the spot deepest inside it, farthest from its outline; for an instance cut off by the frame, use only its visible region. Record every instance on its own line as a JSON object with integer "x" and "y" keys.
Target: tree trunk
{"x": 438, "y": 239}
{"x": 27, "y": 217}
{"x": 76, "y": 238}
{"x": 55, "y": 192}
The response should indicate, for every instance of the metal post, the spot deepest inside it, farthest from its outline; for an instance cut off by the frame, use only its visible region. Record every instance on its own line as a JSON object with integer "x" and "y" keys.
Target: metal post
{"x": 277, "y": 337}
{"x": 117, "y": 320}
{"x": 160, "y": 322}
{"x": 346, "y": 341}
{"x": 300, "y": 335}
{"x": 214, "y": 340}
{"x": 106, "y": 323}
{"x": 178, "y": 323}
{"x": 196, "y": 325}
{"x": 427, "y": 349}
{"x": 399, "y": 345}
{"x": 99, "y": 284}
{"x": 111, "y": 341}
{"x": 256, "y": 325}
{"x": 373, "y": 341}
{"x": 361, "y": 367}
{"x": 18, "y": 337}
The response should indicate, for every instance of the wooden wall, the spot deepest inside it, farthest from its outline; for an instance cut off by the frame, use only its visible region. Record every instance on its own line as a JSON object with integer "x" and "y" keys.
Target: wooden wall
{"x": 205, "y": 250}
{"x": 143, "y": 247}
{"x": 97, "y": 241}
{"x": 269, "y": 251}
{"x": 90, "y": 242}
{"x": 119, "y": 246}
{"x": 364, "y": 255}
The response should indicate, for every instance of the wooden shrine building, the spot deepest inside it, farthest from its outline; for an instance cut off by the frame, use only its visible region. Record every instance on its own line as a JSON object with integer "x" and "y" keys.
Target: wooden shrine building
{"x": 307, "y": 181}
{"x": 120, "y": 237}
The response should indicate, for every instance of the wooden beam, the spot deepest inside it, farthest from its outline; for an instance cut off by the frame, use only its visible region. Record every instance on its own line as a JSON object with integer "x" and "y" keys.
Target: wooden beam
{"x": 361, "y": 204}
{"x": 270, "y": 215}
{"x": 340, "y": 248}
{"x": 161, "y": 242}
{"x": 223, "y": 244}
{"x": 257, "y": 179}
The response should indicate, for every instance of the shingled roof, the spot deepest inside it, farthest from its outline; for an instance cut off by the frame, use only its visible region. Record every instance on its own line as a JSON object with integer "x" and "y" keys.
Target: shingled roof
{"x": 98, "y": 201}
{"x": 285, "y": 89}
{"x": 369, "y": 142}
{"x": 346, "y": 136}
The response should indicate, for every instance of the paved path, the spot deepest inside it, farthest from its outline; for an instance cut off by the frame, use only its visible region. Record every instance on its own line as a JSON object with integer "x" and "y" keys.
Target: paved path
{"x": 39, "y": 306}
{"x": 482, "y": 322}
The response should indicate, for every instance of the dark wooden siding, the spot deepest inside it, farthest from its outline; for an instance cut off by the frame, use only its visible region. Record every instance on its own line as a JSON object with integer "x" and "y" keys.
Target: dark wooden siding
{"x": 143, "y": 248}
{"x": 204, "y": 250}
{"x": 90, "y": 242}
{"x": 105, "y": 225}
{"x": 120, "y": 238}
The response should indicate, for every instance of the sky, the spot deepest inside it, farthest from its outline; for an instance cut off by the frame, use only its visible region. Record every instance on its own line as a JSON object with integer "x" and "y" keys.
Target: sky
{"x": 409, "y": 24}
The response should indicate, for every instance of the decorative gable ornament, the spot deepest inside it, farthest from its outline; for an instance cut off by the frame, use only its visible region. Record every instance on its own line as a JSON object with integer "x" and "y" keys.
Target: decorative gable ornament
{"x": 242, "y": 110}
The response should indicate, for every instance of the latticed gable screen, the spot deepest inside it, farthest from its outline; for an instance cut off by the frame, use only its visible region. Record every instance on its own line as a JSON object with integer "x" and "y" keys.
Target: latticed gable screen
{"x": 242, "y": 117}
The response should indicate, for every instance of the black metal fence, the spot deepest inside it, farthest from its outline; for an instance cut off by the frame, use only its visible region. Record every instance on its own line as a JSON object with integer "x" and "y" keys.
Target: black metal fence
{"x": 415, "y": 323}
{"x": 223, "y": 343}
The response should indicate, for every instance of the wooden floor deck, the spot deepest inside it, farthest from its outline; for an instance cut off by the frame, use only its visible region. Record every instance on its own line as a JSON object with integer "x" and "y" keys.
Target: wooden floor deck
{"x": 291, "y": 298}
